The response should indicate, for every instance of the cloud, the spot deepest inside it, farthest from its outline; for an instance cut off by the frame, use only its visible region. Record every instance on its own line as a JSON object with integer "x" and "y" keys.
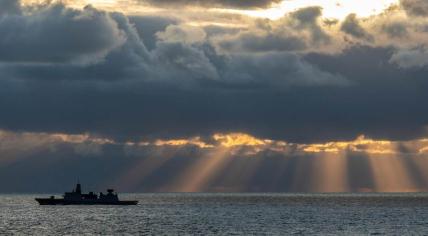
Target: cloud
{"x": 371, "y": 68}
{"x": 415, "y": 7}
{"x": 262, "y": 41}
{"x": 182, "y": 61}
{"x": 56, "y": 34}
{"x": 284, "y": 69}
{"x": 86, "y": 144}
{"x": 107, "y": 94}
{"x": 411, "y": 58}
{"x": 352, "y": 27}
{"x": 148, "y": 26}
{"x": 296, "y": 31}
{"x": 189, "y": 83}
{"x": 396, "y": 29}
{"x": 215, "y": 3}
{"x": 308, "y": 19}
{"x": 183, "y": 34}
{"x": 21, "y": 144}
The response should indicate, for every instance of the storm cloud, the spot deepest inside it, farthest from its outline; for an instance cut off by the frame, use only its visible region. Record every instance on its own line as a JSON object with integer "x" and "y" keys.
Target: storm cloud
{"x": 86, "y": 88}
{"x": 40, "y": 37}
{"x": 183, "y": 86}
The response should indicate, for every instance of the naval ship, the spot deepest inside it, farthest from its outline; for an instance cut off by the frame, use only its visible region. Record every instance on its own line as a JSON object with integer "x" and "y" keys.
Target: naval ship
{"x": 76, "y": 197}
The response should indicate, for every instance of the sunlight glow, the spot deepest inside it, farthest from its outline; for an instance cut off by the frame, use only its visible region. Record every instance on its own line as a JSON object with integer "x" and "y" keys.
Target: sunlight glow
{"x": 182, "y": 142}
{"x": 323, "y": 167}
{"x": 329, "y": 174}
{"x": 391, "y": 175}
{"x": 239, "y": 139}
{"x": 361, "y": 144}
{"x": 203, "y": 171}
{"x": 338, "y": 9}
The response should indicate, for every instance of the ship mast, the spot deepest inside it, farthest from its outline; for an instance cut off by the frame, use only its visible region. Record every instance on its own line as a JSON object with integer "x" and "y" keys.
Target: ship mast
{"x": 78, "y": 187}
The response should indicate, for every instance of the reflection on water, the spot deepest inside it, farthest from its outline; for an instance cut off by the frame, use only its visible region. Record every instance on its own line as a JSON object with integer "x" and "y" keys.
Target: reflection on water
{"x": 206, "y": 214}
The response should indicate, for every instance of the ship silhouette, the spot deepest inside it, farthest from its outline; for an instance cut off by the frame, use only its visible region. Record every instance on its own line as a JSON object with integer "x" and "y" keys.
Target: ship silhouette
{"x": 76, "y": 197}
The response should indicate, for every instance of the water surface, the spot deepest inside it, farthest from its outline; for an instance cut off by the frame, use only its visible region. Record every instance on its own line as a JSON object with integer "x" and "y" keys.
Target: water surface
{"x": 221, "y": 214}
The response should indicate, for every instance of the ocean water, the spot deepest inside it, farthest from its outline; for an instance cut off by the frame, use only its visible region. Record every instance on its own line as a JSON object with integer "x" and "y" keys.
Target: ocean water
{"x": 223, "y": 214}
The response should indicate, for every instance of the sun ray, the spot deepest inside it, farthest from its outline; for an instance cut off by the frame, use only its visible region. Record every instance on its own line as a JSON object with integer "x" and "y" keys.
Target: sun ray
{"x": 390, "y": 175}
{"x": 198, "y": 175}
{"x": 131, "y": 179}
{"x": 329, "y": 173}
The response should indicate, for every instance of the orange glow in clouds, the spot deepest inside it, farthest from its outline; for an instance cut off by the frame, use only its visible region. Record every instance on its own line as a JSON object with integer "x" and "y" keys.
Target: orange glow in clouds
{"x": 239, "y": 139}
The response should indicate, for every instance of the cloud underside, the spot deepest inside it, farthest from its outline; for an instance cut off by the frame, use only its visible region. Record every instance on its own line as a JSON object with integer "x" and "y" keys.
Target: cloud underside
{"x": 300, "y": 78}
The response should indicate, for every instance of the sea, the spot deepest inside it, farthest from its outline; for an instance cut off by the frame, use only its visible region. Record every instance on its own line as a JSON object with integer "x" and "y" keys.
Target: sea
{"x": 223, "y": 214}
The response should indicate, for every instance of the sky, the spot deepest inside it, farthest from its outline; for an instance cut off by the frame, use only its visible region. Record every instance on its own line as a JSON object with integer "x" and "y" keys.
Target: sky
{"x": 214, "y": 95}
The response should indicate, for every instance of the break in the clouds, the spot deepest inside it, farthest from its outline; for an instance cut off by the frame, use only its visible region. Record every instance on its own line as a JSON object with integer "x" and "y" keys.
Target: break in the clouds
{"x": 79, "y": 82}
{"x": 214, "y": 3}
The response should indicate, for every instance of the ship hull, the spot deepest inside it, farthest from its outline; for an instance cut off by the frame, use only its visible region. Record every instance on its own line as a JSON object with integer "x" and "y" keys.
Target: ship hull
{"x": 50, "y": 201}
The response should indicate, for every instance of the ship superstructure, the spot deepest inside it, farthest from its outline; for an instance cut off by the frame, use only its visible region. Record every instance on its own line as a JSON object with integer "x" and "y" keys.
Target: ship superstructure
{"x": 76, "y": 197}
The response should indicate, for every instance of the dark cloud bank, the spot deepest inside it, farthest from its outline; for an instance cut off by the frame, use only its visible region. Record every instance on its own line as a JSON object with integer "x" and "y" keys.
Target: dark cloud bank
{"x": 78, "y": 71}
{"x": 58, "y": 77}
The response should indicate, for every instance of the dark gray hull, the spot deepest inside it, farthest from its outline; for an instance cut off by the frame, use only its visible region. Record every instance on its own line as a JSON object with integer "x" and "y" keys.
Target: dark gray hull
{"x": 50, "y": 201}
